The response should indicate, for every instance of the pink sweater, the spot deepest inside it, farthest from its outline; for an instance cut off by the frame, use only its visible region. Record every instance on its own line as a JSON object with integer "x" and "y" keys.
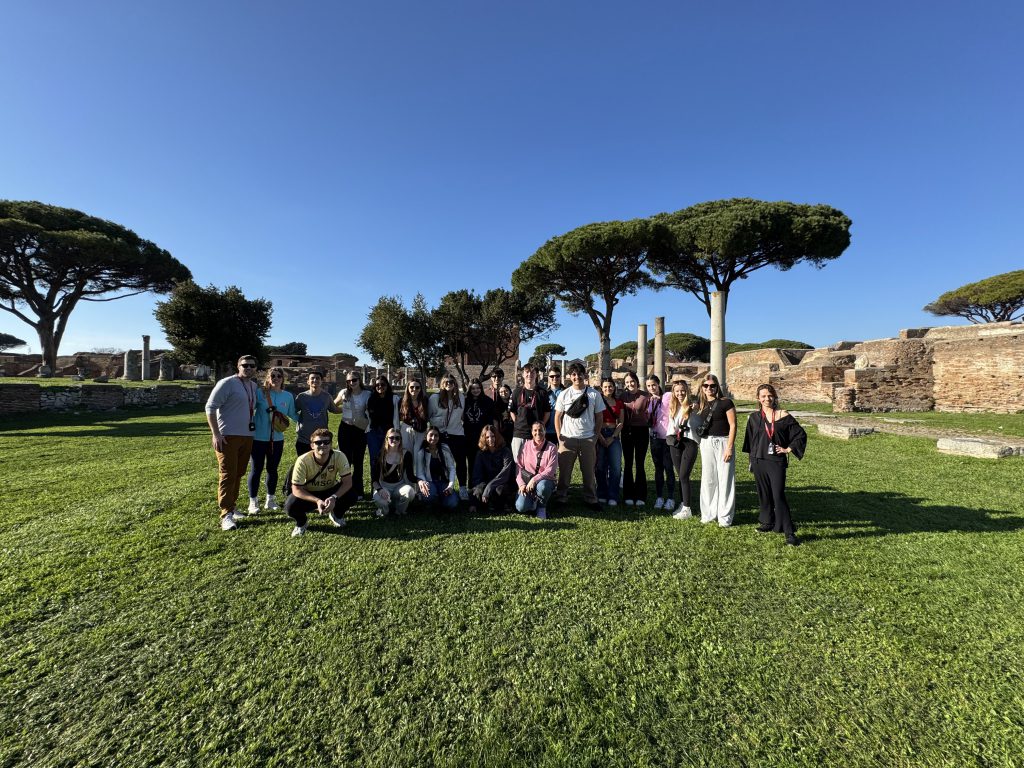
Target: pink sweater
{"x": 527, "y": 460}
{"x": 660, "y": 427}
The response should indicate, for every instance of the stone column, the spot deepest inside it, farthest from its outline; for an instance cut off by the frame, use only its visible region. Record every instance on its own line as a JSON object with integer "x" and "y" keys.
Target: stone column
{"x": 145, "y": 358}
{"x": 659, "y": 349}
{"x": 167, "y": 366}
{"x": 641, "y": 352}
{"x": 718, "y": 338}
{"x": 132, "y": 371}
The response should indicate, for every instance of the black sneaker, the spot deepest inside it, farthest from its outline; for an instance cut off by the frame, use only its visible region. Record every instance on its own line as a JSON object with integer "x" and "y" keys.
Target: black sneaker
{"x": 595, "y": 506}
{"x": 792, "y": 540}
{"x": 764, "y": 529}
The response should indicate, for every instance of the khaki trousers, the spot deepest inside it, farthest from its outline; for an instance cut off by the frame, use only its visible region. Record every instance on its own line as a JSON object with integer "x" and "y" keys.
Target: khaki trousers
{"x": 570, "y": 449}
{"x": 231, "y": 464}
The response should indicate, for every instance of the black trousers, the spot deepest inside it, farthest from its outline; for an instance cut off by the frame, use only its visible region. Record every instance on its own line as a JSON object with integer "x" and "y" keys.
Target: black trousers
{"x": 664, "y": 471}
{"x": 298, "y": 509}
{"x": 684, "y": 455}
{"x": 770, "y": 477}
{"x": 457, "y": 445}
{"x": 635, "y": 441}
{"x": 352, "y": 442}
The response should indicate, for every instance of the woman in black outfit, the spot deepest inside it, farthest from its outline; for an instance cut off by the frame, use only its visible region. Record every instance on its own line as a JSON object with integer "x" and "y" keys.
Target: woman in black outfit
{"x": 772, "y": 435}
{"x": 383, "y": 410}
{"x": 477, "y": 413}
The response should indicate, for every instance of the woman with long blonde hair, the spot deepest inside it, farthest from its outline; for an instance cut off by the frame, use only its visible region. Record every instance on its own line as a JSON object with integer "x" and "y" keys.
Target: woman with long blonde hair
{"x": 681, "y": 443}
{"x": 268, "y": 443}
{"x": 395, "y": 477}
{"x": 717, "y": 454}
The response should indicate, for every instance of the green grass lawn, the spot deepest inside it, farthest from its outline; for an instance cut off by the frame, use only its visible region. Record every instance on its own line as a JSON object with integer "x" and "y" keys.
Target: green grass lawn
{"x": 135, "y": 632}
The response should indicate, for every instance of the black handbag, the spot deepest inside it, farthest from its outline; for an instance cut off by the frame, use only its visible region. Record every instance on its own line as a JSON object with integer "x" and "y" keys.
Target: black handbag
{"x": 579, "y": 405}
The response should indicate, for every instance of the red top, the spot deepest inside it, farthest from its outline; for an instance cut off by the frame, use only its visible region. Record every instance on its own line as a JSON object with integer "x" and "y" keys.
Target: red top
{"x": 612, "y": 411}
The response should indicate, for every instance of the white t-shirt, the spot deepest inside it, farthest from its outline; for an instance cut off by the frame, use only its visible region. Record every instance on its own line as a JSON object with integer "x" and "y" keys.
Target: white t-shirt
{"x": 584, "y": 425}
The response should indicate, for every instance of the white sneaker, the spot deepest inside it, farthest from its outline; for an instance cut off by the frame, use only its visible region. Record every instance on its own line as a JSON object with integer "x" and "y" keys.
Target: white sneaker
{"x": 380, "y": 511}
{"x": 237, "y": 515}
{"x": 299, "y": 530}
{"x": 640, "y": 502}
{"x": 254, "y": 506}
{"x": 603, "y": 501}
{"x": 683, "y": 513}
{"x": 629, "y": 502}
{"x": 336, "y": 520}
{"x": 271, "y": 503}
{"x": 659, "y": 504}
{"x": 612, "y": 503}
{"x": 227, "y": 523}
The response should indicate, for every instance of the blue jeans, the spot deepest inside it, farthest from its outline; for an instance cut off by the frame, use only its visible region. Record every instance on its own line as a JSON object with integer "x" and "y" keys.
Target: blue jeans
{"x": 609, "y": 466}
{"x": 436, "y": 495}
{"x": 526, "y": 503}
{"x": 375, "y": 443}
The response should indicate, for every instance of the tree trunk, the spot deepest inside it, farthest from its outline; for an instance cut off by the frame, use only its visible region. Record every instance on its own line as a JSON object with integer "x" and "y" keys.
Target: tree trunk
{"x": 47, "y": 344}
{"x": 718, "y": 301}
{"x": 606, "y": 353}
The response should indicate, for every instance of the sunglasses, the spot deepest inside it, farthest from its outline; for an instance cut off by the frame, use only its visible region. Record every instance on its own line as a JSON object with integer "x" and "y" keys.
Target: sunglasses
{"x": 394, "y": 439}
{"x": 321, "y": 442}
{"x": 709, "y": 386}
{"x": 248, "y": 365}
{"x": 554, "y": 375}
{"x": 352, "y": 381}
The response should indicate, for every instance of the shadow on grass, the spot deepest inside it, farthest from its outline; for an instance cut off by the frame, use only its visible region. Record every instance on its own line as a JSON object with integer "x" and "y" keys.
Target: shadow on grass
{"x": 125, "y": 423}
{"x": 361, "y": 523}
{"x": 871, "y": 514}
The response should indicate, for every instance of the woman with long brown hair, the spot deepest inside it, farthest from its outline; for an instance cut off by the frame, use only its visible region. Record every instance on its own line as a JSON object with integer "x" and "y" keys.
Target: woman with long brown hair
{"x": 268, "y": 441}
{"x": 412, "y": 416}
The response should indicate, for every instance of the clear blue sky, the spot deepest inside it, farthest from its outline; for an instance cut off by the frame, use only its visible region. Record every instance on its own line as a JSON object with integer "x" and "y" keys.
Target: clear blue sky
{"x": 330, "y": 153}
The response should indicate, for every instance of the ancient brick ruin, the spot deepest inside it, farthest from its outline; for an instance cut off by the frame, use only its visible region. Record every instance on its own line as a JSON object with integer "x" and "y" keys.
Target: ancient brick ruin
{"x": 953, "y": 368}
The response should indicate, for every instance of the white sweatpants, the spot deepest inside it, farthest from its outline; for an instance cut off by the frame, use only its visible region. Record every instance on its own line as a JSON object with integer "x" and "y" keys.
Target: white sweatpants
{"x": 717, "y": 482}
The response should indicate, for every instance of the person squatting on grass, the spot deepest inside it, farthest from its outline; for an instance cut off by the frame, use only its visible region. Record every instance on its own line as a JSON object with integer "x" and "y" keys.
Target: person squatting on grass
{"x": 493, "y": 470}
{"x": 230, "y": 412}
{"x": 717, "y": 458}
{"x": 321, "y": 480}
{"x": 609, "y": 446}
{"x": 435, "y": 470}
{"x": 772, "y": 434}
{"x": 268, "y": 443}
{"x": 682, "y": 446}
{"x": 575, "y": 423}
{"x": 536, "y": 472}
{"x": 394, "y": 477}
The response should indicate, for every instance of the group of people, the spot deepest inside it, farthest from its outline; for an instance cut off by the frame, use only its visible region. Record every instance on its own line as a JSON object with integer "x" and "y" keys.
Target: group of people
{"x": 496, "y": 448}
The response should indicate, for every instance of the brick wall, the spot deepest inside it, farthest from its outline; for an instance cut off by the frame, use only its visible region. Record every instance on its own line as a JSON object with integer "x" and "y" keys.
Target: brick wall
{"x": 19, "y": 398}
{"x": 984, "y": 373}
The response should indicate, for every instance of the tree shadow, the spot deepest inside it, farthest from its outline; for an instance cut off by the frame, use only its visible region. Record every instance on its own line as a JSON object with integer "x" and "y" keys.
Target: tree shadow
{"x": 871, "y": 514}
{"x": 124, "y": 423}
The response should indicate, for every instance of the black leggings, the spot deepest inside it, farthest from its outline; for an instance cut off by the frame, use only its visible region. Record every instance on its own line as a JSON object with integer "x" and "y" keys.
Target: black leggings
{"x": 770, "y": 477}
{"x": 634, "y": 449}
{"x": 457, "y": 445}
{"x": 684, "y": 455}
{"x": 663, "y": 469}
{"x": 269, "y": 451}
{"x": 352, "y": 442}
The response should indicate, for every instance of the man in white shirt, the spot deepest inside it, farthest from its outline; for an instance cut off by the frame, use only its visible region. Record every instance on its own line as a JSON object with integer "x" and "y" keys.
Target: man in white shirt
{"x": 577, "y": 435}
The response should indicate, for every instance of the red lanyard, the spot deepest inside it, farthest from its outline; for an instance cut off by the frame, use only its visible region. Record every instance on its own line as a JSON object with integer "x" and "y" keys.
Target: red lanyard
{"x": 771, "y": 431}
{"x": 250, "y": 396}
